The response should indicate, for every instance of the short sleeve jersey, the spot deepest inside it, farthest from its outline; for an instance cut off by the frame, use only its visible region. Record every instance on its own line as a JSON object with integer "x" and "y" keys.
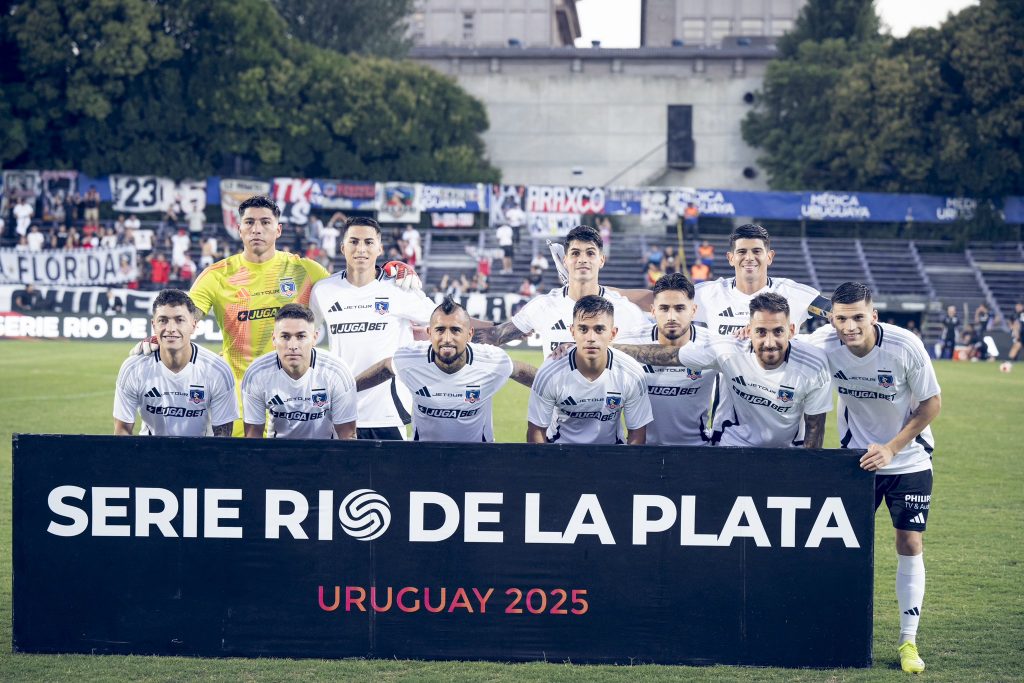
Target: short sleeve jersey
{"x": 245, "y": 297}
{"x": 456, "y": 406}
{"x": 576, "y": 410}
{"x": 368, "y": 324}
{"x": 186, "y": 403}
{"x": 550, "y": 316}
{"x": 680, "y": 397}
{"x": 877, "y": 393}
{"x": 768, "y": 406}
{"x": 304, "y": 408}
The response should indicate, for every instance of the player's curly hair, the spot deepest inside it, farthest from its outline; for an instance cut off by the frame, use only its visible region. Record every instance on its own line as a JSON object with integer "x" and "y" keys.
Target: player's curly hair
{"x": 851, "y": 293}
{"x": 175, "y": 297}
{"x": 750, "y": 231}
{"x": 296, "y": 312}
{"x": 674, "y": 282}
{"x": 259, "y": 201}
{"x": 769, "y": 302}
{"x": 584, "y": 233}
{"x": 592, "y": 305}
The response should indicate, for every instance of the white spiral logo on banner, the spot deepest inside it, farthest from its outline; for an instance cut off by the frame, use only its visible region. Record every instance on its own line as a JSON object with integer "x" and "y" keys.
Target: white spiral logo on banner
{"x": 365, "y": 514}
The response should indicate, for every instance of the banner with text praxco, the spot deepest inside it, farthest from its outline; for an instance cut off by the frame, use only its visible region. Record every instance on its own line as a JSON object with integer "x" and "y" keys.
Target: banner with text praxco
{"x": 275, "y": 548}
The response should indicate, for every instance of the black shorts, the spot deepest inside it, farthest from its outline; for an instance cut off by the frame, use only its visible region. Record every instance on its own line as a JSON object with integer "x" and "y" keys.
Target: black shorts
{"x": 509, "y": 251}
{"x": 908, "y": 497}
{"x": 379, "y": 434}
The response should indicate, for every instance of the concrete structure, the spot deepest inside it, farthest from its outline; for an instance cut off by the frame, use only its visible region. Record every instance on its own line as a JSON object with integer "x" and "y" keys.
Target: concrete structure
{"x": 494, "y": 23}
{"x": 665, "y": 23}
{"x": 598, "y": 117}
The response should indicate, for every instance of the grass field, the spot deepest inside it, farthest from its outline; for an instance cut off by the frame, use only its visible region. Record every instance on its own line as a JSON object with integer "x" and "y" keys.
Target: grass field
{"x": 972, "y": 628}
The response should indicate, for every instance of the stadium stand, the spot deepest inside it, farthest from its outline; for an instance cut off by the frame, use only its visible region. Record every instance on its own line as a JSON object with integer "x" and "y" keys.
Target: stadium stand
{"x": 1001, "y": 267}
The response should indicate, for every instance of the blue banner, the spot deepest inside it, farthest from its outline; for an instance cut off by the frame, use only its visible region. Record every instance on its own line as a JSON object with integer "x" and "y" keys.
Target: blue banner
{"x": 1013, "y": 209}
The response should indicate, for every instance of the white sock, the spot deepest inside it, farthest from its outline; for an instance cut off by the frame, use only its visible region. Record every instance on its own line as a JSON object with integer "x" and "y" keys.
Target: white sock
{"x": 909, "y": 593}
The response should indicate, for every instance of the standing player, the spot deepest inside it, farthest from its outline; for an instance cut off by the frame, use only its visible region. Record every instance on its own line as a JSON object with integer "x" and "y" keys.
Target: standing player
{"x": 181, "y": 389}
{"x": 457, "y": 380}
{"x": 888, "y": 397}
{"x": 551, "y": 315}
{"x": 368, "y": 318}
{"x": 780, "y": 387}
{"x": 679, "y": 395}
{"x": 581, "y": 397}
{"x": 309, "y": 394}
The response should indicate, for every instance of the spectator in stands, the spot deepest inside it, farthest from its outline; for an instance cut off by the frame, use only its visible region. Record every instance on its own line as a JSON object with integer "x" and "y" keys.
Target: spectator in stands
{"x": 91, "y": 203}
{"x": 58, "y": 214}
{"x": 690, "y": 216}
{"x": 119, "y": 225}
{"x": 912, "y": 327}
{"x": 90, "y": 241}
{"x": 315, "y": 231}
{"x": 143, "y": 239}
{"x": 483, "y": 266}
{"x": 982, "y": 318}
{"x": 61, "y": 237}
{"x": 160, "y": 272}
{"x": 527, "y": 289}
{"x": 536, "y": 277}
{"x": 208, "y": 252}
{"x": 413, "y": 245}
{"x": 74, "y": 240}
{"x": 129, "y": 274}
{"x": 516, "y": 219}
{"x": 180, "y": 244}
{"x": 604, "y": 226}
{"x": 22, "y": 244}
{"x": 196, "y": 220}
{"x": 132, "y": 223}
{"x": 73, "y": 208}
{"x": 23, "y": 213}
{"x": 35, "y": 239}
{"x": 186, "y": 272}
{"x": 314, "y": 252}
{"x": 950, "y": 326}
{"x": 699, "y": 272}
{"x": 706, "y": 253}
{"x": 329, "y": 235}
{"x": 540, "y": 261}
{"x": 671, "y": 263}
{"x": 25, "y": 300}
{"x": 656, "y": 256}
{"x": 111, "y": 304}
{"x": 109, "y": 239}
{"x": 652, "y": 275}
{"x": 506, "y": 241}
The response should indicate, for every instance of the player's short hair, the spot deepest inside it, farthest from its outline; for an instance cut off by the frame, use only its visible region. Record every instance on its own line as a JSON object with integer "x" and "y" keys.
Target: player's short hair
{"x": 175, "y": 297}
{"x": 448, "y": 306}
{"x": 363, "y": 221}
{"x": 295, "y": 312}
{"x": 259, "y": 201}
{"x": 592, "y": 305}
{"x": 750, "y": 231}
{"x": 674, "y": 282}
{"x": 851, "y": 293}
{"x": 769, "y": 302}
{"x": 584, "y": 233}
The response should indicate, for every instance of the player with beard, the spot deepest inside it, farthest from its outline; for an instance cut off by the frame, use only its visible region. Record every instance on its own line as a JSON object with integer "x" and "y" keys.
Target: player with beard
{"x": 457, "y": 380}
{"x": 888, "y": 397}
{"x": 780, "y": 386}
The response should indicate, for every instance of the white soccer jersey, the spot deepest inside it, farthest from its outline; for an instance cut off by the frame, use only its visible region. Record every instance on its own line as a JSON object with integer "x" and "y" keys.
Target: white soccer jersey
{"x": 878, "y": 392}
{"x": 679, "y": 398}
{"x": 725, "y": 309}
{"x": 457, "y": 406}
{"x": 768, "y": 406}
{"x": 304, "y": 408}
{"x": 186, "y": 403}
{"x": 576, "y": 410}
{"x": 366, "y": 325}
{"x": 550, "y": 316}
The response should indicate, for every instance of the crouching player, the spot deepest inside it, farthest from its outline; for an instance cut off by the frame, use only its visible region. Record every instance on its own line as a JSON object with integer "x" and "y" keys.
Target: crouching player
{"x": 453, "y": 382}
{"x": 581, "y": 397}
{"x": 181, "y": 389}
{"x": 309, "y": 393}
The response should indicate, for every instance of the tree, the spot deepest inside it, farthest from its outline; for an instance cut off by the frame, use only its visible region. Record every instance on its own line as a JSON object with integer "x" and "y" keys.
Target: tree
{"x": 371, "y": 27}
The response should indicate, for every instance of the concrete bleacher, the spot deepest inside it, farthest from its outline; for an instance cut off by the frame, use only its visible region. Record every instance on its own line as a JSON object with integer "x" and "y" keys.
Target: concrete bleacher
{"x": 894, "y": 268}
{"x": 1001, "y": 265}
{"x": 836, "y": 261}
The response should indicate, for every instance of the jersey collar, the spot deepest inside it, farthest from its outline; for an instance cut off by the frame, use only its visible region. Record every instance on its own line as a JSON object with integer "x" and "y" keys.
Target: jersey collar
{"x": 192, "y": 359}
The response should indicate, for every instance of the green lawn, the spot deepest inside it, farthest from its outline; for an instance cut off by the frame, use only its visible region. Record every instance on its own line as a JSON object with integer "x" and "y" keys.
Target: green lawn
{"x": 972, "y": 628}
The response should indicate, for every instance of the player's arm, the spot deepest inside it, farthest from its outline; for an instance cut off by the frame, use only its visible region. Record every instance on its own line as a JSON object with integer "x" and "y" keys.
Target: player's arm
{"x": 535, "y": 433}
{"x": 252, "y": 431}
{"x": 523, "y": 373}
{"x": 378, "y": 373}
{"x": 497, "y": 335}
{"x": 821, "y": 307}
{"x": 650, "y": 354}
{"x": 224, "y": 429}
{"x": 345, "y": 430}
{"x": 814, "y": 430}
{"x": 637, "y": 437}
{"x": 123, "y": 428}
{"x": 880, "y": 455}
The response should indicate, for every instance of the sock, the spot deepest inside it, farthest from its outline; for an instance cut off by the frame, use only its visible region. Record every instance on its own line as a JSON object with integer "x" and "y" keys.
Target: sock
{"x": 909, "y": 593}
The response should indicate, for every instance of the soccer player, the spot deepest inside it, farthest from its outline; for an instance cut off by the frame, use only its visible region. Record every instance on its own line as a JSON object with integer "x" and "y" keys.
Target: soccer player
{"x": 457, "y": 380}
{"x": 888, "y": 397}
{"x": 368, "y": 317}
{"x": 551, "y": 315}
{"x": 679, "y": 396}
{"x": 780, "y": 386}
{"x": 309, "y": 394}
{"x": 581, "y": 397}
{"x": 181, "y": 389}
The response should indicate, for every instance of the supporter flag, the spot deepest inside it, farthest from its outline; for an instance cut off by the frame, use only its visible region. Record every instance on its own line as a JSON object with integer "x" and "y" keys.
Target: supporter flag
{"x": 56, "y": 186}
{"x": 141, "y": 194}
{"x": 398, "y": 202}
{"x": 294, "y": 197}
{"x": 234, "y": 191}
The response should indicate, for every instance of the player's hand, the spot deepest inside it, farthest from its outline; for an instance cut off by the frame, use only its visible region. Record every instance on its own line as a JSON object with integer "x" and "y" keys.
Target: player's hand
{"x": 743, "y": 334}
{"x": 561, "y": 351}
{"x": 878, "y": 456}
{"x": 144, "y": 347}
{"x": 403, "y": 274}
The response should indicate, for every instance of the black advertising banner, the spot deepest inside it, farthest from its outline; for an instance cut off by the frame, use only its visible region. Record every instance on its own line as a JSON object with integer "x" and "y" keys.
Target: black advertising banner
{"x": 232, "y": 547}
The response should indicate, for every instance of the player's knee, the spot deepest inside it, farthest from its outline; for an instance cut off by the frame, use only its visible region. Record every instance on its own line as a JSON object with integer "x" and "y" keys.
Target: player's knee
{"x": 909, "y": 543}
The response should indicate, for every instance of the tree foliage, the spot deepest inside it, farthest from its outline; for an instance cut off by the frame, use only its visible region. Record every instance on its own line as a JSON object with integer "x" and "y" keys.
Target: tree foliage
{"x": 201, "y": 87}
{"x": 372, "y": 27}
{"x": 940, "y": 111}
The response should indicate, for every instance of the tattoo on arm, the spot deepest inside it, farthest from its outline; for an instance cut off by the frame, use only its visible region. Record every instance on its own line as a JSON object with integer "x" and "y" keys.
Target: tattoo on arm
{"x": 650, "y": 354}
{"x": 376, "y": 374}
{"x": 523, "y": 373}
{"x": 223, "y": 430}
{"x": 814, "y": 430}
{"x": 498, "y": 334}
